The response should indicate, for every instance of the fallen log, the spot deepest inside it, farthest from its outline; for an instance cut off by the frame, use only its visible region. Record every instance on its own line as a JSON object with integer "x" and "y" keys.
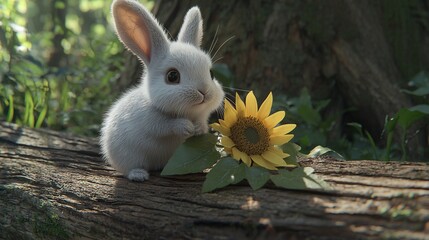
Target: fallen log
{"x": 56, "y": 186}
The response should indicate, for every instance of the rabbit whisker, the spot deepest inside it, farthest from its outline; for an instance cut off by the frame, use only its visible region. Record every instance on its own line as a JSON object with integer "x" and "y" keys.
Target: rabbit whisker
{"x": 227, "y": 40}
{"x": 220, "y": 111}
{"x": 214, "y": 41}
{"x": 229, "y": 97}
{"x": 217, "y": 60}
{"x": 236, "y": 89}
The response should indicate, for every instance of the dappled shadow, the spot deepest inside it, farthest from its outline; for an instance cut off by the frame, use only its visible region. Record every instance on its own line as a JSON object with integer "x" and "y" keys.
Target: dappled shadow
{"x": 167, "y": 207}
{"x": 79, "y": 183}
{"x": 10, "y": 133}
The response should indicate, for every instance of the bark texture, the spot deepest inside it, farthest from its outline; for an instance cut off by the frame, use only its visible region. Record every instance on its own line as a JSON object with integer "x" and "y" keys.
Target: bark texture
{"x": 56, "y": 186}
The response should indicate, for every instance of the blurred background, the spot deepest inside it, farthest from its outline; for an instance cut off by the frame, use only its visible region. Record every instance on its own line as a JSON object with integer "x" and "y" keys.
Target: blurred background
{"x": 354, "y": 75}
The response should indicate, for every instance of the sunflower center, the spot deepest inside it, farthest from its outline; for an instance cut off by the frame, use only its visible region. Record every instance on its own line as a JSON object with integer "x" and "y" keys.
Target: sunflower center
{"x": 250, "y": 136}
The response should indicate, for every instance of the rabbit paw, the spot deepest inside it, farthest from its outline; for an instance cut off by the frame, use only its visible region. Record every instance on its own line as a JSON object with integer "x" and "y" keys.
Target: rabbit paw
{"x": 138, "y": 175}
{"x": 184, "y": 128}
{"x": 201, "y": 128}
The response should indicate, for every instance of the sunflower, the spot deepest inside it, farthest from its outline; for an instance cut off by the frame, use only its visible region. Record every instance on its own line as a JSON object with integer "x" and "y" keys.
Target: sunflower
{"x": 251, "y": 135}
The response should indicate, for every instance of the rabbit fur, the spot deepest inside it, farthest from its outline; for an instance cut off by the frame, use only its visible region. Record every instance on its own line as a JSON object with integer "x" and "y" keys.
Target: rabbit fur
{"x": 144, "y": 127}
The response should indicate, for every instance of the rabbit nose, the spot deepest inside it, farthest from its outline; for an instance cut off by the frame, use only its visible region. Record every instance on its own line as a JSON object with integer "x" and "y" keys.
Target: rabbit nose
{"x": 203, "y": 94}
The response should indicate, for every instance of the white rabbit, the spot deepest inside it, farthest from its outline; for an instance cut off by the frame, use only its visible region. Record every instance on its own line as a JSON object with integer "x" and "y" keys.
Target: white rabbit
{"x": 177, "y": 94}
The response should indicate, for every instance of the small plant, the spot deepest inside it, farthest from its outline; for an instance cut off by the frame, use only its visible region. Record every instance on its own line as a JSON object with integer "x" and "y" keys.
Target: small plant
{"x": 313, "y": 128}
{"x": 404, "y": 119}
{"x": 73, "y": 97}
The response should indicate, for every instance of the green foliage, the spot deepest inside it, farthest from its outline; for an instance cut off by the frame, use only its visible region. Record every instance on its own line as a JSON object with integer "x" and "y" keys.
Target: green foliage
{"x": 199, "y": 153}
{"x": 57, "y": 72}
{"x": 50, "y": 227}
{"x": 405, "y": 118}
{"x": 419, "y": 82}
{"x": 323, "y": 151}
{"x": 293, "y": 150}
{"x": 43, "y": 221}
{"x": 314, "y": 130}
{"x": 299, "y": 179}
{"x": 257, "y": 177}
{"x": 227, "y": 171}
{"x": 363, "y": 145}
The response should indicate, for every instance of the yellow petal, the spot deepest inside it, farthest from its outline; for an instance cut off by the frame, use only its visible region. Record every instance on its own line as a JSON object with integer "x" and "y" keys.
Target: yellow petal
{"x": 235, "y": 154}
{"x": 265, "y": 108}
{"x": 230, "y": 115}
{"x": 273, "y": 158}
{"x": 224, "y": 130}
{"x": 279, "y": 152}
{"x": 246, "y": 159}
{"x": 239, "y": 104}
{"x": 251, "y": 105}
{"x": 280, "y": 140}
{"x": 241, "y": 156}
{"x": 225, "y": 124}
{"x": 262, "y": 162}
{"x": 227, "y": 142}
{"x": 283, "y": 129}
{"x": 272, "y": 120}
{"x": 227, "y": 150}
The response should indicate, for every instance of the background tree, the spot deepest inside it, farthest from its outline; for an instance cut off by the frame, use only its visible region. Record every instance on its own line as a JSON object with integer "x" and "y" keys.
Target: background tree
{"x": 358, "y": 54}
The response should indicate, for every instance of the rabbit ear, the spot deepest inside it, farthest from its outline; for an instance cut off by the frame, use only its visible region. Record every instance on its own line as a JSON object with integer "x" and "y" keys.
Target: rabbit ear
{"x": 192, "y": 28}
{"x": 139, "y": 30}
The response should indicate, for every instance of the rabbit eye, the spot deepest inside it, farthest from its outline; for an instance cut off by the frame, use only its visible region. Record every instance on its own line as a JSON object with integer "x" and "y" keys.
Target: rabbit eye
{"x": 211, "y": 74}
{"x": 173, "y": 76}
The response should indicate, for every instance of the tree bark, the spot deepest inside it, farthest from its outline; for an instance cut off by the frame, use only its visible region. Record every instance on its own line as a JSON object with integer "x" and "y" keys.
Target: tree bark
{"x": 56, "y": 186}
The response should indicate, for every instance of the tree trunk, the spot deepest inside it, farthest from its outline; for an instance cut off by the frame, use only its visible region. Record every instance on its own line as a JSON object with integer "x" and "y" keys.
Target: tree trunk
{"x": 337, "y": 49}
{"x": 56, "y": 186}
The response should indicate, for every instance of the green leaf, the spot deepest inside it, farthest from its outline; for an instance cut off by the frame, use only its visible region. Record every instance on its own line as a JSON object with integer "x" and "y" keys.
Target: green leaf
{"x": 423, "y": 108}
{"x": 11, "y": 110}
{"x": 422, "y": 91}
{"x": 306, "y": 110}
{"x": 363, "y": 133}
{"x": 420, "y": 80}
{"x": 299, "y": 178}
{"x": 407, "y": 117}
{"x": 29, "y": 109}
{"x": 373, "y": 145}
{"x": 257, "y": 176}
{"x": 356, "y": 126}
{"x": 321, "y": 151}
{"x": 194, "y": 155}
{"x": 421, "y": 83}
{"x": 320, "y": 105}
{"x": 227, "y": 171}
{"x": 42, "y": 116}
{"x": 293, "y": 150}
{"x": 390, "y": 124}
